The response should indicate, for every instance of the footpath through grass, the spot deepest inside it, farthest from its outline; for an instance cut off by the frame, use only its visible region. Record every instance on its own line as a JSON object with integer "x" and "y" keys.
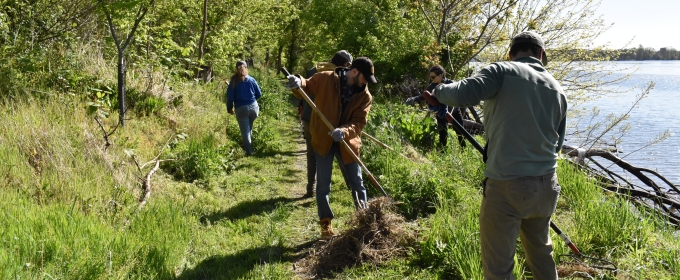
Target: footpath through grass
{"x": 70, "y": 206}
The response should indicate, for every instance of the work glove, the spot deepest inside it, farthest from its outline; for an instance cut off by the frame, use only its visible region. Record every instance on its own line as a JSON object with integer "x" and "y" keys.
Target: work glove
{"x": 440, "y": 110}
{"x": 337, "y": 135}
{"x": 293, "y": 82}
{"x": 410, "y": 101}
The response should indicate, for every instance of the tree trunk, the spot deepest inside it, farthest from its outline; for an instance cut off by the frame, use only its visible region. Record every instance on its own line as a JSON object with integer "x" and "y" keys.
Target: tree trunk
{"x": 203, "y": 31}
{"x": 121, "y": 87}
{"x": 278, "y": 60}
{"x": 266, "y": 59}
{"x": 292, "y": 49}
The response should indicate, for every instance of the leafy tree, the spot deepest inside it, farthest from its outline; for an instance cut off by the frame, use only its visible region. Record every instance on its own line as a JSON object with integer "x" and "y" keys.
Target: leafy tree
{"x": 119, "y": 11}
{"x": 464, "y": 29}
{"x": 389, "y": 32}
{"x": 37, "y": 22}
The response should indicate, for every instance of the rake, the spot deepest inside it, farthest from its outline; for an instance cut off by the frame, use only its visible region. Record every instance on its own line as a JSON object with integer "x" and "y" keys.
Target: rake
{"x": 576, "y": 258}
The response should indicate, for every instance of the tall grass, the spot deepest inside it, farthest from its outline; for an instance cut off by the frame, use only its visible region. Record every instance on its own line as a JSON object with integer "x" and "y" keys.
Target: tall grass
{"x": 445, "y": 188}
{"x": 70, "y": 205}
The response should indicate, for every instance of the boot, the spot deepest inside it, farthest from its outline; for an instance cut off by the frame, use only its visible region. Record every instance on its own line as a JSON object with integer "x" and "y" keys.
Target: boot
{"x": 326, "y": 228}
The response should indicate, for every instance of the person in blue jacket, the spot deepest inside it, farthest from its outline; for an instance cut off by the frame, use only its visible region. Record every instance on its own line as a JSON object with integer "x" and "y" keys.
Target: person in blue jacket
{"x": 242, "y": 94}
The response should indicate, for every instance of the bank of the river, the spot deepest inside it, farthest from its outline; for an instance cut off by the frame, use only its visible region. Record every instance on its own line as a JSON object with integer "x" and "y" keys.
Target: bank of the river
{"x": 70, "y": 207}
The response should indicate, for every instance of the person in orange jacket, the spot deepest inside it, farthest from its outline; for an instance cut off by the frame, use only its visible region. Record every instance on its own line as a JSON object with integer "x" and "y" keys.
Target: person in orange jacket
{"x": 343, "y": 98}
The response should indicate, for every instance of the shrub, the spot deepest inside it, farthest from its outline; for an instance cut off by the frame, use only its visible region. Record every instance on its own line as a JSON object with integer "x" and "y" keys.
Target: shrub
{"x": 199, "y": 160}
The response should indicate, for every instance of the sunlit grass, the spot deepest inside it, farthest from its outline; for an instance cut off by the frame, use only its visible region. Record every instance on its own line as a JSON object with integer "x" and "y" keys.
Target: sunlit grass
{"x": 70, "y": 206}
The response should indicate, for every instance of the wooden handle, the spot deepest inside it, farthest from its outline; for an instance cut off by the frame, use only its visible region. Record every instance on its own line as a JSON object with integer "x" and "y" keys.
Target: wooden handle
{"x": 376, "y": 141}
{"x": 434, "y": 102}
{"x": 331, "y": 128}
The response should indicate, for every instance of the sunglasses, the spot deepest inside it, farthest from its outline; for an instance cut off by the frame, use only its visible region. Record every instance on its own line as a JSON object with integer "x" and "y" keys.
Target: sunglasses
{"x": 432, "y": 77}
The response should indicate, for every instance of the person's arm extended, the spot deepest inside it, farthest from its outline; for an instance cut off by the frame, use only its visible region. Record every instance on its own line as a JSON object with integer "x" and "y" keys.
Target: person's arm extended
{"x": 471, "y": 91}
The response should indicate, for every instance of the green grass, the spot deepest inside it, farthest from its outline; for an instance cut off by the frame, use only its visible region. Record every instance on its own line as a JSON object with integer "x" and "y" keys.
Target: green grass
{"x": 70, "y": 207}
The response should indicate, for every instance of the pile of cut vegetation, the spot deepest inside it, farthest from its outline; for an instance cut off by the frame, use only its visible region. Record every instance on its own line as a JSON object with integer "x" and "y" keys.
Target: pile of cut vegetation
{"x": 376, "y": 234}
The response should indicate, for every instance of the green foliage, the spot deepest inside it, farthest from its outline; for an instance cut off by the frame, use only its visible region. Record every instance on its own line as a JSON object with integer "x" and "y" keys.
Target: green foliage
{"x": 199, "y": 160}
{"x": 389, "y": 32}
{"x": 266, "y": 140}
{"x": 418, "y": 130}
{"x": 143, "y": 103}
{"x": 101, "y": 103}
{"x": 71, "y": 206}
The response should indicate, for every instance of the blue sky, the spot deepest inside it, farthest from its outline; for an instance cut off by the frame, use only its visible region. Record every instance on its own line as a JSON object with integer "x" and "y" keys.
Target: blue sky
{"x": 654, "y": 23}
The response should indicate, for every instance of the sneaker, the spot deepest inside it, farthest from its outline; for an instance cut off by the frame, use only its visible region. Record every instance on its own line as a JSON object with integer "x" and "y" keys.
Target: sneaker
{"x": 326, "y": 228}
{"x": 308, "y": 195}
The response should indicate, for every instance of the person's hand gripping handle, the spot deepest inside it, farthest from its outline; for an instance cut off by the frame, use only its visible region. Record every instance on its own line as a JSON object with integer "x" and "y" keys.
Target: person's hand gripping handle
{"x": 309, "y": 101}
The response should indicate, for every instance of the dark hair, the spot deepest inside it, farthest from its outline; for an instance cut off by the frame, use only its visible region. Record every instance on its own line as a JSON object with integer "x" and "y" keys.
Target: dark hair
{"x": 524, "y": 47}
{"x": 437, "y": 69}
{"x": 236, "y": 78}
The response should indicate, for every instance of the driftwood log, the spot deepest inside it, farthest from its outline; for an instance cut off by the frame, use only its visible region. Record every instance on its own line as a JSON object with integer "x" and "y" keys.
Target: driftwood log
{"x": 663, "y": 200}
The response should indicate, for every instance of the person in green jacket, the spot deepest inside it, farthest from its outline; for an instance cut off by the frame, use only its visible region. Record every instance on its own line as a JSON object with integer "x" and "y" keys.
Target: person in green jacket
{"x": 525, "y": 120}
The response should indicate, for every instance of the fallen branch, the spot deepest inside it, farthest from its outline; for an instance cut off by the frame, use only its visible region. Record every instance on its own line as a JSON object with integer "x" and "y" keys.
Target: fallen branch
{"x": 658, "y": 201}
{"x": 147, "y": 185}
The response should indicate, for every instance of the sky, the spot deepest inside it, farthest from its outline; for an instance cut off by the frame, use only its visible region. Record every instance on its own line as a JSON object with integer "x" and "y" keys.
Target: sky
{"x": 652, "y": 23}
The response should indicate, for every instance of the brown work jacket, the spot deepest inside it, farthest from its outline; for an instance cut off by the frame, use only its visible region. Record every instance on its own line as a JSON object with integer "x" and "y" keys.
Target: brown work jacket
{"x": 326, "y": 87}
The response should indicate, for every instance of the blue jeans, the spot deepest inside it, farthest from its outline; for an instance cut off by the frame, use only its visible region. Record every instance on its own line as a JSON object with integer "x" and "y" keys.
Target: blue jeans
{"x": 324, "y": 170}
{"x": 245, "y": 116}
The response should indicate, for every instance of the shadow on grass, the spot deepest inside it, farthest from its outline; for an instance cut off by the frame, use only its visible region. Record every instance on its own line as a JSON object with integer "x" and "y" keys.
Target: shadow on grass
{"x": 274, "y": 153}
{"x": 239, "y": 264}
{"x": 246, "y": 209}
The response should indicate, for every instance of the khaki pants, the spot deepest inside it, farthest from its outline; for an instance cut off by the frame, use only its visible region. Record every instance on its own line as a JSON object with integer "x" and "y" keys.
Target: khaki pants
{"x": 519, "y": 207}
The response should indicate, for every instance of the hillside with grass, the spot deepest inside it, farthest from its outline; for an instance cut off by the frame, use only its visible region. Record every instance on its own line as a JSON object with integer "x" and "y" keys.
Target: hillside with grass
{"x": 118, "y": 159}
{"x": 71, "y": 204}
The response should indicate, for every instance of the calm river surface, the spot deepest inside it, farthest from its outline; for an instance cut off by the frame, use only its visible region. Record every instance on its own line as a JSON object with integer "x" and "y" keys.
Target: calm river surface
{"x": 656, "y": 113}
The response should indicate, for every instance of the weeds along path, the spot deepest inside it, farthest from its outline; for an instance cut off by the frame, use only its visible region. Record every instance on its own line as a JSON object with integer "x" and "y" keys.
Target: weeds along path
{"x": 254, "y": 223}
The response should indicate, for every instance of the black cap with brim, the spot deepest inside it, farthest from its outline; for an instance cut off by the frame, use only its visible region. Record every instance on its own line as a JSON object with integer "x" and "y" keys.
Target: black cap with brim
{"x": 531, "y": 37}
{"x": 365, "y": 66}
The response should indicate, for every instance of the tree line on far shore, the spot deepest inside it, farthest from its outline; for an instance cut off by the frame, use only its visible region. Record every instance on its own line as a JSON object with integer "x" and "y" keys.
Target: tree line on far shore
{"x": 642, "y": 53}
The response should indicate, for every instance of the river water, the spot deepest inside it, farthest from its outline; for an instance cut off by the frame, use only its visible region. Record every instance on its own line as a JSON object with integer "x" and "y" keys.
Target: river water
{"x": 656, "y": 113}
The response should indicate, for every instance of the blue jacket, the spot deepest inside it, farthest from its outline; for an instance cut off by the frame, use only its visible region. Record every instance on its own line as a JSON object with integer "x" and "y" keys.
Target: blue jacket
{"x": 246, "y": 92}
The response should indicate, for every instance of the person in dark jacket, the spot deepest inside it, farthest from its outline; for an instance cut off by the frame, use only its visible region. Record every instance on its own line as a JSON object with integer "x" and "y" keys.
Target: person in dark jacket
{"x": 438, "y": 76}
{"x": 341, "y": 58}
{"x": 243, "y": 93}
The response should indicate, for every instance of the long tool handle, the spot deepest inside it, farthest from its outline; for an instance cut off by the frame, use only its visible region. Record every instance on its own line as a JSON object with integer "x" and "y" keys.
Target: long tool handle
{"x": 459, "y": 127}
{"x": 330, "y": 127}
{"x": 565, "y": 238}
{"x": 434, "y": 102}
{"x": 363, "y": 133}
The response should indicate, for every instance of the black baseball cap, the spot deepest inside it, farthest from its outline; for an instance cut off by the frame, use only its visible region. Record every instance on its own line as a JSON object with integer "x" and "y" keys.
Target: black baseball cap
{"x": 531, "y": 37}
{"x": 241, "y": 63}
{"x": 365, "y": 66}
